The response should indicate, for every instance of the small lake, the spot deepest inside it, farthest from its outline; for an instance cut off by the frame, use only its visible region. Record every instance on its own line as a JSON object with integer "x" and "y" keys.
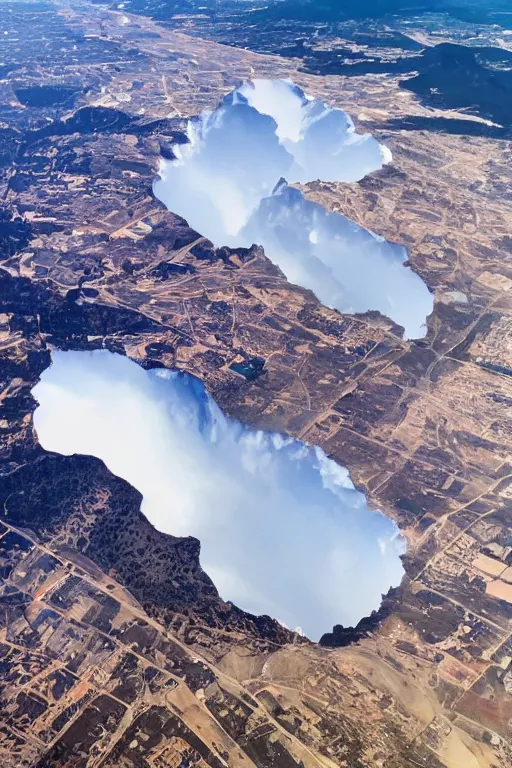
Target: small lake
{"x": 282, "y": 529}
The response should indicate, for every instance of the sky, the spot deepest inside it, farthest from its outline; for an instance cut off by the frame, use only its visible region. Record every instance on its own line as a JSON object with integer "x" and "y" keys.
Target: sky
{"x": 283, "y": 531}
{"x": 229, "y": 183}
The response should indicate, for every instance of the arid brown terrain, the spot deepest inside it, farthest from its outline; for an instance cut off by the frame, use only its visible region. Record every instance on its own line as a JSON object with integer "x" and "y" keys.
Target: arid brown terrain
{"x": 116, "y": 649}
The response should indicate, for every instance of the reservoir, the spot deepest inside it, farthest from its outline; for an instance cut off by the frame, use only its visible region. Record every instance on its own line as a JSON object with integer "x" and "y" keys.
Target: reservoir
{"x": 283, "y": 531}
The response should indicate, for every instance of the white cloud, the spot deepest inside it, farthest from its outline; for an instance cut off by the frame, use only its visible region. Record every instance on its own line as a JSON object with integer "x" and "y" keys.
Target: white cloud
{"x": 345, "y": 265}
{"x": 282, "y": 529}
{"x": 224, "y": 184}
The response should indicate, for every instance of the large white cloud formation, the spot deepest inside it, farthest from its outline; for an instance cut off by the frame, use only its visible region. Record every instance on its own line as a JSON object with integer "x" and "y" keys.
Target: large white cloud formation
{"x": 282, "y": 529}
{"x": 225, "y": 182}
{"x": 322, "y": 140}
